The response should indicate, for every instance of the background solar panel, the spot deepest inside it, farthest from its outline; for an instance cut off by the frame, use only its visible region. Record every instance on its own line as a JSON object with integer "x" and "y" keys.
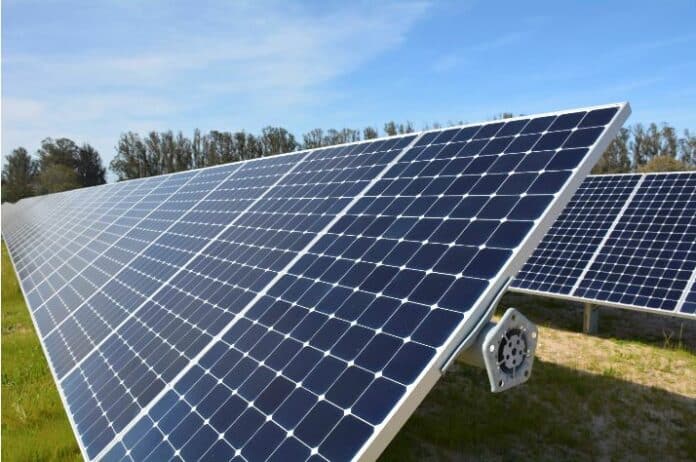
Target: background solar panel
{"x": 689, "y": 304}
{"x": 304, "y": 304}
{"x": 559, "y": 261}
{"x": 625, "y": 240}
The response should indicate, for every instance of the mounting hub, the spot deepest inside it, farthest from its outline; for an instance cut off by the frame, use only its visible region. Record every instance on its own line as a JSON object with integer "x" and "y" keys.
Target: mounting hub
{"x": 505, "y": 350}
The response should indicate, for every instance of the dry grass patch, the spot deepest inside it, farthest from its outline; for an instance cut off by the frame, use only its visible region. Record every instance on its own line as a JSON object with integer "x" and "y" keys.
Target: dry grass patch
{"x": 589, "y": 398}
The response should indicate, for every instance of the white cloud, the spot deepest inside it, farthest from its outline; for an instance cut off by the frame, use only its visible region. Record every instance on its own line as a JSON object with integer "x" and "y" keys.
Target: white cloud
{"x": 263, "y": 57}
{"x": 22, "y": 109}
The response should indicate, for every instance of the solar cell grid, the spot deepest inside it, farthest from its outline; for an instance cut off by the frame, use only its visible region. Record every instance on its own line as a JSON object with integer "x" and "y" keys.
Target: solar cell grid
{"x": 65, "y": 238}
{"x": 202, "y": 298}
{"x": 35, "y": 269}
{"x": 113, "y": 281}
{"x": 562, "y": 256}
{"x": 77, "y": 230}
{"x": 74, "y": 278}
{"x": 651, "y": 253}
{"x": 305, "y": 304}
{"x": 626, "y": 241}
{"x": 31, "y": 230}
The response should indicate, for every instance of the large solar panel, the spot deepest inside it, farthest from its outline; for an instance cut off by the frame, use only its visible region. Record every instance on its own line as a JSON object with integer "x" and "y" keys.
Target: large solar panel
{"x": 297, "y": 307}
{"x": 627, "y": 241}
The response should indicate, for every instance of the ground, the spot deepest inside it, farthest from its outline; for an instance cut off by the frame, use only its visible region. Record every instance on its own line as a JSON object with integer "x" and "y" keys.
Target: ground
{"x": 34, "y": 424}
{"x": 628, "y": 393}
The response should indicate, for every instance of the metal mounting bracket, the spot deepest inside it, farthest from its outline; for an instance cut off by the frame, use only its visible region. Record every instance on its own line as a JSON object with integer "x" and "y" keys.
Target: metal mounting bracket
{"x": 505, "y": 349}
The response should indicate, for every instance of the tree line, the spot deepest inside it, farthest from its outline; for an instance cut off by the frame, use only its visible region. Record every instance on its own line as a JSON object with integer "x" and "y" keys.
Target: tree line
{"x": 165, "y": 152}
{"x": 651, "y": 148}
{"x": 61, "y": 164}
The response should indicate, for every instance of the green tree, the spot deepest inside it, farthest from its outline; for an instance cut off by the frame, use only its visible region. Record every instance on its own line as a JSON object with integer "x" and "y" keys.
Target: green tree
{"x": 58, "y": 157}
{"x": 313, "y": 139}
{"x": 197, "y": 150}
{"x": 132, "y": 158}
{"x": 391, "y": 128}
{"x": 56, "y": 178}
{"x": 89, "y": 167}
{"x": 252, "y": 148}
{"x": 61, "y": 151}
{"x": 154, "y": 152}
{"x": 663, "y": 163}
{"x": 616, "y": 158}
{"x": 345, "y": 135}
{"x": 370, "y": 133}
{"x": 18, "y": 175}
{"x": 638, "y": 145}
{"x": 669, "y": 143}
{"x": 687, "y": 149}
{"x": 276, "y": 140}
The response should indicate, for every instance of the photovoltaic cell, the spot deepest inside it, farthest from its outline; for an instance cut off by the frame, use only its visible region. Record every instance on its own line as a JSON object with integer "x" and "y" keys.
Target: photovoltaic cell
{"x": 625, "y": 241}
{"x": 293, "y": 307}
{"x": 264, "y": 228}
{"x": 562, "y": 256}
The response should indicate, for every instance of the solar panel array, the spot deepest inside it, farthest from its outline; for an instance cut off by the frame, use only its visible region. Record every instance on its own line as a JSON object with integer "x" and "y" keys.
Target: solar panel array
{"x": 623, "y": 240}
{"x": 296, "y": 307}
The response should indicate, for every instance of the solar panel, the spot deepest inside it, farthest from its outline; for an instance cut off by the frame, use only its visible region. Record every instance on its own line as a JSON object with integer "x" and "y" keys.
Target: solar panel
{"x": 295, "y": 307}
{"x": 627, "y": 241}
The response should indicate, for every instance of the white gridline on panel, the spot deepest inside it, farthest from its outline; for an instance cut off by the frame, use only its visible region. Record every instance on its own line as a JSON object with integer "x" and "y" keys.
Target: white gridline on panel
{"x": 592, "y": 259}
{"x": 185, "y": 211}
{"x": 53, "y": 372}
{"x": 69, "y": 248}
{"x": 142, "y": 255}
{"x": 62, "y": 215}
{"x": 131, "y": 207}
{"x": 39, "y": 271}
{"x": 33, "y": 274}
{"x": 114, "y": 244}
{"x": 67, "y": 222}
{"x": 112, "y": 192}
{"x": 677, "y": 312}
{"x": 643, "y": 218}
{"x": 271, "y": 328}
{"x": 538, "y": 268}
{"x": 132, "y": 313}
{"x": 241, "y": 313}
{"x": 29, "y": 229}
{"x": 690, "y": 287}
{"x": 77, "y": 274}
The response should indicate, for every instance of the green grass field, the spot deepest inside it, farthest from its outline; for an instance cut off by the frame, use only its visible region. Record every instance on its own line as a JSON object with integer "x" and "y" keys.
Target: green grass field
{"x": 629, "y": 393}
{"x": 34, "y": 424}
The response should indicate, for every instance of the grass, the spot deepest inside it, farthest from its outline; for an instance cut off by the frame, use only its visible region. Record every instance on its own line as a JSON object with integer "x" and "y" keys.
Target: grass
{"x": 628, "y": 393}
{"x": 607, "y": 397}
{"x": 34, "y": 424}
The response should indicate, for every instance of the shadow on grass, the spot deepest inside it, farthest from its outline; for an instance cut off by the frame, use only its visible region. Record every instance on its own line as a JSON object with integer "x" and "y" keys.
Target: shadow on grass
{"x": 561, "y": 413}
{"x": 614, "y": 323}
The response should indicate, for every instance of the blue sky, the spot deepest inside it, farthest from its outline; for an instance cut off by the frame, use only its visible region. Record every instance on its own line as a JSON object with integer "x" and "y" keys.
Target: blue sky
{"x": 91, "y": 70}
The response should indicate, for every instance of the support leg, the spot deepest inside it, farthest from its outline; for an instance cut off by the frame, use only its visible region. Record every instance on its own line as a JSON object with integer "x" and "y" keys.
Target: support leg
{"x": 590, "y": 319}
